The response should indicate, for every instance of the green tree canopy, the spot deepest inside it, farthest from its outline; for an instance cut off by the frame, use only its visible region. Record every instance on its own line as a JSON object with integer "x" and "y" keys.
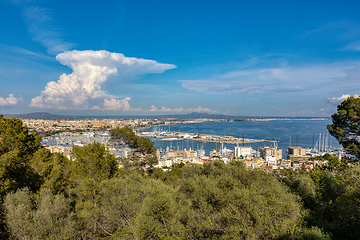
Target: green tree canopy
{"x": 123, "y": 136}
{"x": 144, "y": 156}
{"x": 126, "y": 136}
{"x": 91, "y": 164}
{"x": 229, "y": 202}
{"x": 330, "y": 196}
{"x": 43, "y": 216}
{"x": 345, "y": 125}
{"x": 53, "y": 170}
{"x": 213, "y": 201}
{"x": 17, "y": 146}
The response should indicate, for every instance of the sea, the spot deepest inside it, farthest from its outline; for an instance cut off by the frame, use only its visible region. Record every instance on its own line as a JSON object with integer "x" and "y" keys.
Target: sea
{"x": 301, "y": 133}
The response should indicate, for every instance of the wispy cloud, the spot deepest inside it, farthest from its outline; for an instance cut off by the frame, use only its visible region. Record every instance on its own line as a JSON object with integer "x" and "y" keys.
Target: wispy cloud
{"x": 14, "y": 51}
{"x": 41, "y": 26}
{"x": 354, "y": 46}
{"x": 281, "y": 80}
{"x": 18, "y": 50}
{"x": 10, "y": 100}
{"x": 346, "y": 34}
{"x": 344, "y": 29}
{"x": 82, "y": 89}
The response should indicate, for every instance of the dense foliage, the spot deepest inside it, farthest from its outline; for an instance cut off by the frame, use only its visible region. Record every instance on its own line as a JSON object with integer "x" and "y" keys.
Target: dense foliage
{"x": 16, "y": 149}
{"x": 47, "y": 196}
{"x": 126, "y": 136}
{"x": 330, "y": 196}
{"x": 144, "y": 152}
{"x": 345, "y": 125}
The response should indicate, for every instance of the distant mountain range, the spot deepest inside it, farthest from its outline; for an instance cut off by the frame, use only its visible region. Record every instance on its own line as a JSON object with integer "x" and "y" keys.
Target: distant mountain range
{"x": 194, "y": 115}
{"x": 50, "y": 116}
{"x": 40, "y": 115}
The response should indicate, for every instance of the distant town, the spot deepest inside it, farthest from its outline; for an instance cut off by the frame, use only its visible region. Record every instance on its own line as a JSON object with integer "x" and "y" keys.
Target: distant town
{"x": 48, "y": 124}
{"x": 61, "y": 135}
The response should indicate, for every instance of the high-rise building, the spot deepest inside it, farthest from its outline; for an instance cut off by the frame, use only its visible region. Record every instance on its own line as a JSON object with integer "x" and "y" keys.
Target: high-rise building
{"x": 271, "y": 151}
{"x": 296, "y": 151}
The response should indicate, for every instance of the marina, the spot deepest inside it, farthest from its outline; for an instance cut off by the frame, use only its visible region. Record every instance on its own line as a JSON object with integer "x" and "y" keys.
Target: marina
{"x": 308, "y": 134}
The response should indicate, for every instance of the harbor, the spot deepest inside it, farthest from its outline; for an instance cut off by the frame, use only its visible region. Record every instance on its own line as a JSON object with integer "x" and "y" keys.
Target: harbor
{"x": 218, "y": 136}
{"x": 177, "y": 136}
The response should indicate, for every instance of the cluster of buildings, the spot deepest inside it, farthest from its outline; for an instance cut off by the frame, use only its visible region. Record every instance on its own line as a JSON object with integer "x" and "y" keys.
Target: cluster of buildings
{"x": 268, "y": 158}
{"x": 50, "y": 127}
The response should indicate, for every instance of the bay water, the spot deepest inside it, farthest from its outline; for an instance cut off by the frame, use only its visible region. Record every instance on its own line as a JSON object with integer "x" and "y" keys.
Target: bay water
{"x": 302, "y": 133}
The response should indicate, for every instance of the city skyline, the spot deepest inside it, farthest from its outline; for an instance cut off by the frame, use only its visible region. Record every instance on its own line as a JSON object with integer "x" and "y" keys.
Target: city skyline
{"x": 260, "y": 58}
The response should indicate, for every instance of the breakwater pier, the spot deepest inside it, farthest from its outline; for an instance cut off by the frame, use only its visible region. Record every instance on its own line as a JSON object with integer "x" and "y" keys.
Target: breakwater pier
{"x": 177, "y": 136}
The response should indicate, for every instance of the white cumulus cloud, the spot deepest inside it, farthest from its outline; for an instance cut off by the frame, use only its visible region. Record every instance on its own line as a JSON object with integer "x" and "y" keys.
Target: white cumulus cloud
{"x": 181, "y": 109}
{"x": 338, "y": 100}
{"x": 82, "y": 89}
{"x": 165, "y": 109}
{"x": 117, "y": 104}
{"x": 201, "y": 109}
{"x": 10, "y": 100}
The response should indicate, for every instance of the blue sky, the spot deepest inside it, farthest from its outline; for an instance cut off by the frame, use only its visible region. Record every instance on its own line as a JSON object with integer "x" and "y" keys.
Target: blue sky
{"x": 245, "y": 58}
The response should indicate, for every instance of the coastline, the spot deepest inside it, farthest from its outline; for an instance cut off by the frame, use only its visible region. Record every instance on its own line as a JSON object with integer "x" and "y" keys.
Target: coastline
{"x": 234, "y": 120}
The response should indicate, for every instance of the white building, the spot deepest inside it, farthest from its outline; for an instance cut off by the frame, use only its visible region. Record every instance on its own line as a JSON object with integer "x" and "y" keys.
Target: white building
{"x": 125, "y": 152}
{"x": 164, "y": 163}
{"x": 270, "y": 159}
{"x": 243, "y": 151}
